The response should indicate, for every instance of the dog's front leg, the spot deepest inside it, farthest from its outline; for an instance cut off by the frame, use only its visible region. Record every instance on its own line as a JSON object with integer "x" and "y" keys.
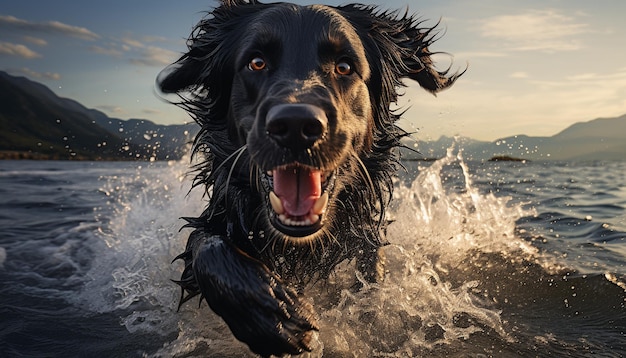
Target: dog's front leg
{"x": 259, "y": 309}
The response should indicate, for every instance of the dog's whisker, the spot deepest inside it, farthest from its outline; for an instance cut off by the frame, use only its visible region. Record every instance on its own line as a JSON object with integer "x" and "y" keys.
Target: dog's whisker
{"x": 253, "y": 176}
{"x": 365, "y": 173}
{"x": 204, "y": 177}
{"x": 227, "y": 159}
{"x": 269, "y": 242}
{"x": 331, "y": 236}
{"x": 255, "y": 170}
{"x": 239, "y": 152}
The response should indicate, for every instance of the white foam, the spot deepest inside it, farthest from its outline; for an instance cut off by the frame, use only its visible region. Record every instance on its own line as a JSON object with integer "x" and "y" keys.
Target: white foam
{"x": 436, "y": 227}
{"x": 139, "y": 238}
{"x": 3, "y": 257}
{"x": 447, "y": 221}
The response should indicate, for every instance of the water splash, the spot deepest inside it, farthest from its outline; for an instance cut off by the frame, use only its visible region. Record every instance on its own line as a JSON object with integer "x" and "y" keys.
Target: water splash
{"x": 442, "y": 224}
{"x": 443, "y": 215}
{"x": 139, "y": 237}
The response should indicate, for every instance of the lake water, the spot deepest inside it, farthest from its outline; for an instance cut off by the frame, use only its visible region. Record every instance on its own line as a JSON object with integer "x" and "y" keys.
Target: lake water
{"x": 502, "y": 259}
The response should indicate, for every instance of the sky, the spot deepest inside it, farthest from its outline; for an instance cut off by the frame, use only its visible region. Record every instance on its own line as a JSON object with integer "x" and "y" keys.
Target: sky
{"x": 533, "y": 67}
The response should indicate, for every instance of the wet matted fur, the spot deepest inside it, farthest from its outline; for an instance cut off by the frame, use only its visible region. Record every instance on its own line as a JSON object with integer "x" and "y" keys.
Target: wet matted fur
{"x": 298, "y": 147}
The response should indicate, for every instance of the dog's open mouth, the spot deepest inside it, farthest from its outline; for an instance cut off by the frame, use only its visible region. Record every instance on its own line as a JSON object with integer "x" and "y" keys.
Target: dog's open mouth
{"x": 298, "y": 196}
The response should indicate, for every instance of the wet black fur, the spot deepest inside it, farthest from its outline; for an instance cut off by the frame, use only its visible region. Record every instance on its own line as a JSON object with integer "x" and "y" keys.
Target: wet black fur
{"x": 247, "y": 271}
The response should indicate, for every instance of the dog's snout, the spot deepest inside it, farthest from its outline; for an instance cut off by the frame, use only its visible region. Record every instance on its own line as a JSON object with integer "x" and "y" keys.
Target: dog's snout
{"x": 296, "y": 126}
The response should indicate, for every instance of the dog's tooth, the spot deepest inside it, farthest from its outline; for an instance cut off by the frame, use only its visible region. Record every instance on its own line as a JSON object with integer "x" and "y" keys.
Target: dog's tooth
{"x": 313, "y": 219}
{"x": 320, "y": 204}
{"x": 277, "y": 205}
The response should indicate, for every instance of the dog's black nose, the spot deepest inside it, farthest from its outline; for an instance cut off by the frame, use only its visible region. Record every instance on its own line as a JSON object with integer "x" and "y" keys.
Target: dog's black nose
{"x": 296, "y": 126}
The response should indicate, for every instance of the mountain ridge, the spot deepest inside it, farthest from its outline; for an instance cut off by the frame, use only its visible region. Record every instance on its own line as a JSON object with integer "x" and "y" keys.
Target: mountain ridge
{"x": 597, "y": 139}
{"x": 36, "y": 123}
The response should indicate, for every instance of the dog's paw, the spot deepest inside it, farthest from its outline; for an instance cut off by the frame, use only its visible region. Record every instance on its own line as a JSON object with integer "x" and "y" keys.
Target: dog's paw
{"x": 285, "y": 321}
{"x": 258, "y": 307}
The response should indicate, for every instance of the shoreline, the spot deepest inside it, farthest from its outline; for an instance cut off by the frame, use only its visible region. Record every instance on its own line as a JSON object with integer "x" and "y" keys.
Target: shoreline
{"x": 24, "y": 155}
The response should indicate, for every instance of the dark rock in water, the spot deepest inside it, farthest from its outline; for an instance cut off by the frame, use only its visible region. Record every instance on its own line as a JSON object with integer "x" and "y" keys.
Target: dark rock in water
{"x": 506, "y": 158}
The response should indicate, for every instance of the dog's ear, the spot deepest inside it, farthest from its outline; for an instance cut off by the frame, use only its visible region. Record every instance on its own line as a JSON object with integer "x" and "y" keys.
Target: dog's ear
{"x": 209, "y": 50}
{"x": 413, "y": 43}
{"x": 399, "y": 45}
{"x": 198, "y": 67}
{"x": 178, "y": 76}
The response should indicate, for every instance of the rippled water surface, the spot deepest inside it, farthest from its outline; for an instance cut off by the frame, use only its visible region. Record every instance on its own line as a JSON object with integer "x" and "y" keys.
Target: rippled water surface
{"x": 499, "y": 259}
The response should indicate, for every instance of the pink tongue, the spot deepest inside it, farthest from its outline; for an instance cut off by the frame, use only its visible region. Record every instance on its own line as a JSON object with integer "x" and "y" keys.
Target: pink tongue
{"x": 298, "y": 188}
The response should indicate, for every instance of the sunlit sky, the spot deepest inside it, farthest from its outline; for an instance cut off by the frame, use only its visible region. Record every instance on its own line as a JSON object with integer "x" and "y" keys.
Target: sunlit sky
{"x": 535, "y": 66}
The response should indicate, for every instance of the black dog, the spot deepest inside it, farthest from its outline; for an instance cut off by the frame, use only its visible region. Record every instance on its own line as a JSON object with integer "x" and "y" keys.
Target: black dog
{"x": 299, "y": 148}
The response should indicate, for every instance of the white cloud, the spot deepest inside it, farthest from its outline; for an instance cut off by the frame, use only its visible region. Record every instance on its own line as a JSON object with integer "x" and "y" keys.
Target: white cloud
{"x": 35, "y": 41}
{"x": 111, "y": 109}
{"x": 535, "y": 30}
{"x": 155, "y": 56}
{"x": 49, "y": 27}
{"x": 37, "y": 75}
{"x": 138, "y": 52}
{"x": 151, "y": 111}
{"x": 132, "y": 43}
{"x": 11, "y": 49}
{"x": 154, "y": 39}
{"x": 108, "y": 51}
{"x": 519, "y": 74}
{"x": 142, "y": 40}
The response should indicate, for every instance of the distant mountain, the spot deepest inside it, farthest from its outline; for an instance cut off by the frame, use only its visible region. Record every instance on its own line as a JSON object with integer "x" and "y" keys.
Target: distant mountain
{"x": 598, "y": 139}
{"x": 36, "y": 123}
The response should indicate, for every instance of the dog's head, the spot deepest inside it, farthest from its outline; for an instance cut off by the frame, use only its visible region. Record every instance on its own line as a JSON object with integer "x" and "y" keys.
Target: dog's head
{"x": 306, "y": 91}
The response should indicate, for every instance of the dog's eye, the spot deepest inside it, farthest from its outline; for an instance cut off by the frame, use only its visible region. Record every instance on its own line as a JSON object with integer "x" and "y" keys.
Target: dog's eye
{"x": 256, "y": 64}
{"x": 343, "y": 68}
